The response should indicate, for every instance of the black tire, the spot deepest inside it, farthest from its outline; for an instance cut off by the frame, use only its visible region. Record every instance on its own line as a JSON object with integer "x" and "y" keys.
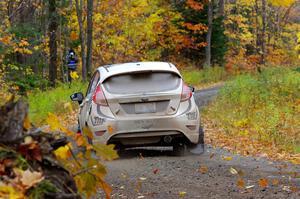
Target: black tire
{"x": 201, "y": 136}
{"x": 179, "y": 149}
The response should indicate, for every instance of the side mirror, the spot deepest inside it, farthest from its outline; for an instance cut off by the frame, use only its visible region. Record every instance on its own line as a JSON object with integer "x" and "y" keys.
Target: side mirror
{"x": 192, "y": 88}
{"x": 77, "y": 97}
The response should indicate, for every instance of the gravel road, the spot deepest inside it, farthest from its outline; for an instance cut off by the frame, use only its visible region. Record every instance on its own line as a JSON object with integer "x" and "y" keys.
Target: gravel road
{"x": 158, "y": 174}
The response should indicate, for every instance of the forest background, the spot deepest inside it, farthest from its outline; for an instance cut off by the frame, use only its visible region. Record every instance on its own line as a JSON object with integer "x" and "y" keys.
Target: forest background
{"x": 237, "y": 35}
{"x": 251, "y": 47}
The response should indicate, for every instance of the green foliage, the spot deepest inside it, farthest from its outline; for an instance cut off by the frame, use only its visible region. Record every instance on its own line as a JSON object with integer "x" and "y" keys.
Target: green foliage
{"x": 26, "y": 30}
{"x": 54, "y": 100}
{"x": 266, "y": 105}
{"x": 297, "y": 69}
{"x": 205, "y": 76}
{"x": 218, "y": 42}
{"x": 39, "y": 191}
{"x": 30, "y": 82}
{"x": 23, "y": 78}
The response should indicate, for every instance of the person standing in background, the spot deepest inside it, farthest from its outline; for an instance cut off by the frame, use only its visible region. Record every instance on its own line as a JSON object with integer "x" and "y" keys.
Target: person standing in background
{"x": 71, "y": 63}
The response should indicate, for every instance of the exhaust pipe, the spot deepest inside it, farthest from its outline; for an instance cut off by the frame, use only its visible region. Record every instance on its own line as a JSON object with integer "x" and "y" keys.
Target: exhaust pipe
{"x": 168, "y": 139}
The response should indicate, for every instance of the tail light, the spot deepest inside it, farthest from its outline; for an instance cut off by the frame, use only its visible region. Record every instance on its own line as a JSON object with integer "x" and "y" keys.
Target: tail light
{"x": 99, "y": 97}
{"x": 186, "y": 93}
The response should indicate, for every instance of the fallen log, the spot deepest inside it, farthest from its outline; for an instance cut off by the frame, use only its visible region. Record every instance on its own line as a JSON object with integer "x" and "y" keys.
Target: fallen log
{"x": 35, "y": 148}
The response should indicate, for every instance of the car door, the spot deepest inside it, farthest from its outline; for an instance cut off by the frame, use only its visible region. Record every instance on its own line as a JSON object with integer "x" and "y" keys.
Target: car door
{"x": 86, "y": 104}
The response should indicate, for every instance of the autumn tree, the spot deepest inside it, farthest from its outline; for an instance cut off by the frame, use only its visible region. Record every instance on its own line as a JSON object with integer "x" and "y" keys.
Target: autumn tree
{"x": 85, "y": 12}
{"x": 134, "y": 31}
{"x": 208, "y": 45}
{"x": 89, "y": 39}
{"x": 258, "y": 30}
{"x": 209, "y": 33}
{"x": 52, "y": 41}
{"x": 79, "y": 12}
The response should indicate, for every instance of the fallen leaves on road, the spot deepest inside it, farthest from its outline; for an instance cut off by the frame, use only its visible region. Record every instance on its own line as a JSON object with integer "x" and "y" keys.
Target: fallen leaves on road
{"x": 240, "y": 183}
{"x": 203, "y": 169}
{"x": 249, "y": 187}
{"x": 233, "y": 171}
{"x": 227, "y": 158}
{"x": 275, "y": 182}
{"x": 294, "y": 189}
{"x": 295, "y": 161}
{"x": 155, "y": 171}
{"x": 182, "y": 193}
{"x": 263, "y": 183}
{"x": 138, "y": 186}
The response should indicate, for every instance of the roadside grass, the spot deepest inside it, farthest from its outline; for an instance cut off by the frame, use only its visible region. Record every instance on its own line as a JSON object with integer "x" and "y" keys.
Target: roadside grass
{"x": 204, "y": 77}
{"x": 263, "y": 108}
{"x": 56, "y": 100}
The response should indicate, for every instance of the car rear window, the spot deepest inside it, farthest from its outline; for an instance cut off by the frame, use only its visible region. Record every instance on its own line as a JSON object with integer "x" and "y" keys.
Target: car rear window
{"x": 144, "y": 82}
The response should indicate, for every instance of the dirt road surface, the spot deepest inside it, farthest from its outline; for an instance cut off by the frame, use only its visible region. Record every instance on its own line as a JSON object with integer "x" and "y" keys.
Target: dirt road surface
{"x": 214, "y": 174}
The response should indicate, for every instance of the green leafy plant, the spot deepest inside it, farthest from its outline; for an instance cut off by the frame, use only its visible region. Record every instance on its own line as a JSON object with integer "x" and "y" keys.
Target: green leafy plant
{"x": 266, "y": 106}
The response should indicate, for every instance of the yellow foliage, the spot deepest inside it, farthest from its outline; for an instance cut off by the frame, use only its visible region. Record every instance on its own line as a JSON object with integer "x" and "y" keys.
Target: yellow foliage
{"x": 6, "y": 40}
{"x": 297, "y": 48}
{"x": 53, "y": 122}
{"x": 23, "y": 43}
{"x": 63, "y": 152}
{"x": 282, "y": 3}
{"x": 8, "y": 191}
{"x": 107, "y": 152}
{"x": 26, "y": 123}
{"x": 87, "y": 132}
{"x": 88, "y": 171}
{"x": 74, "y": 75}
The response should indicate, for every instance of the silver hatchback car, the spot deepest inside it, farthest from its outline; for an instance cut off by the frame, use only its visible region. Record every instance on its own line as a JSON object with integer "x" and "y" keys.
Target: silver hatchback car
{"x": 140, "y": 104}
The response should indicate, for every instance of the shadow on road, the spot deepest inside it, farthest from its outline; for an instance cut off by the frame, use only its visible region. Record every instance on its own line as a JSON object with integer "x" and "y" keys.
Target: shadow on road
{"x": 144, "y": 152}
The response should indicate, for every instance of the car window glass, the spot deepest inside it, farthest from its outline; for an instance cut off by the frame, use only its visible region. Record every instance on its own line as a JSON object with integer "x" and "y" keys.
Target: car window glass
{"x": 93, "y": 84}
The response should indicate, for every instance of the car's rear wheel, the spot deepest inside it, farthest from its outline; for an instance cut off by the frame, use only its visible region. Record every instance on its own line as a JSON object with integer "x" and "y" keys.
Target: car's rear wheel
{"x": 180, "y": 149}
{"x": 184, "y": 148}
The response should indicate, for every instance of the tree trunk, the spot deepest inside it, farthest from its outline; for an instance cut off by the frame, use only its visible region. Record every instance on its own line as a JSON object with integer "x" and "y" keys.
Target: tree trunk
{"x": 257, "y": 30}
{"x": 79, "y": 8}
{"x": 221, "y": 7}
{"x": 52, "y": 41}
{"x": 263, "y": 32}
{"x": 209, "y": 33}
{"x": 89, "y": 40}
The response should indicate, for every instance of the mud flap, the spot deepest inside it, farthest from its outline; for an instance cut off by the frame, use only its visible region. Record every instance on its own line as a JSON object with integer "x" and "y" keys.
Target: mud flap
{"x": 199, "y": 148}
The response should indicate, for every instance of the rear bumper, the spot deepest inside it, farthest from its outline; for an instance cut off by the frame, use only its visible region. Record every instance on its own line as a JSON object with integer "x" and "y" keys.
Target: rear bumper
{"x": 185, "y": 122}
